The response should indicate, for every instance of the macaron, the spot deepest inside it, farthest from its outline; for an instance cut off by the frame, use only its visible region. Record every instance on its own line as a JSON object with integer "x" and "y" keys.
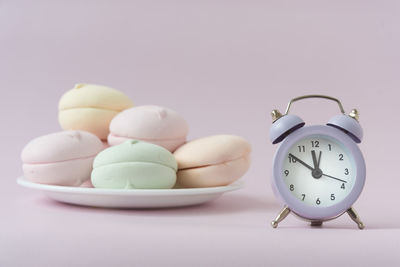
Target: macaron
{"x": 152, "y": 124}
{"x": 212, "y": 161}
{"x": 62, "y": 158}
{"x": 134, "y": 165}
{"x": 90, "y": 107}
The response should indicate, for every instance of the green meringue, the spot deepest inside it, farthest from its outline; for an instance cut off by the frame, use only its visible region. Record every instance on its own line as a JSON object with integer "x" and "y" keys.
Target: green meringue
{"x": 134, "y": 165}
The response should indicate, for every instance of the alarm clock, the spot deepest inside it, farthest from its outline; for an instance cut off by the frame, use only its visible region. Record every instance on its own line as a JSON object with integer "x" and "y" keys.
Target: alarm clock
{"x": 319, "y": 170}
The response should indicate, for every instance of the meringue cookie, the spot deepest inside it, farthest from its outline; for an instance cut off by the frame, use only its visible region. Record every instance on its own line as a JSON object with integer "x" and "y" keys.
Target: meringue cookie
{"x": 62, "y": 158}
{"x": 90, "y": 108}
{"x": 153, "y": 124}
{"x": 212, "y": 161}
{"x": 134, "y": 164}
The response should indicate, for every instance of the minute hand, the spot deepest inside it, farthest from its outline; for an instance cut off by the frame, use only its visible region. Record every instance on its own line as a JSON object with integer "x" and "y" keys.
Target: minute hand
{"x": 334, "y": 178}
{"x": 301, "y": 162}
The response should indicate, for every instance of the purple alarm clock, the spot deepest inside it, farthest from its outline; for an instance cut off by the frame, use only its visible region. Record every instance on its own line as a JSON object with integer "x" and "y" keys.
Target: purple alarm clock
{"x": 318, "y": 171}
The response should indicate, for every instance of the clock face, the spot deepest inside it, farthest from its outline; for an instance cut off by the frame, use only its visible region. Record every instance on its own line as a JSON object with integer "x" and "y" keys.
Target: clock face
{"x": 319, "y": 171}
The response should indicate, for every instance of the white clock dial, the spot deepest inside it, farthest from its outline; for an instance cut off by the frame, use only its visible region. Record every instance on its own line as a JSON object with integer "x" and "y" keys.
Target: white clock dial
{"x": 319, "y": 171}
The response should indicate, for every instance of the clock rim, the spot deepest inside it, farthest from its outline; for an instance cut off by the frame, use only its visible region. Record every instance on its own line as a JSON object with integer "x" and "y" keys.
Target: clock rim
{"x": 296, "y": 205}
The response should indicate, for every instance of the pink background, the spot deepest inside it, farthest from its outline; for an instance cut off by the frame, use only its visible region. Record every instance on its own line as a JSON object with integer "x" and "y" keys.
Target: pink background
{"x": 224, "y": 65}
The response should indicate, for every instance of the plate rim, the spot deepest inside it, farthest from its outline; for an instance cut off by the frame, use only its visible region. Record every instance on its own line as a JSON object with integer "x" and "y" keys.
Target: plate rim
{"x": 22, "y": 181}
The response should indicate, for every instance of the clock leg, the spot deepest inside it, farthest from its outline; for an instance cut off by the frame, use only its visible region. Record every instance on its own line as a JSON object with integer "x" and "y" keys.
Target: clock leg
{"x": 354, "y": 216}
{"x": 316, "y": 223}
{"x": 281, "y": 216}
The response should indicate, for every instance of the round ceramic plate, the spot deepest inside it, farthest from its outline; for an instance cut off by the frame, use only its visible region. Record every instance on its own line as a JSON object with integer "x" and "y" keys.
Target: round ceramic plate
{"x": 132, "y": 198}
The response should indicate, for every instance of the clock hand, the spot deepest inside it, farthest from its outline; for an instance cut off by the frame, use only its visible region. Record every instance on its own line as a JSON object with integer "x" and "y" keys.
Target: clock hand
{"x": 334, "y": 178}
{"x": 314, "y": 159}
{"x": 301, "y": 162}
{"x": 317, "y": 167}
{"x": 316, "y": 173}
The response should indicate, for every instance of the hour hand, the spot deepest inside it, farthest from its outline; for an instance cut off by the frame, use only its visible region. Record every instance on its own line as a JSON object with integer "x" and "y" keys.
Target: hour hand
{"x": 315, "y": 161}
{"x": 319, "y": 159}
{"x": 300, "y": 161}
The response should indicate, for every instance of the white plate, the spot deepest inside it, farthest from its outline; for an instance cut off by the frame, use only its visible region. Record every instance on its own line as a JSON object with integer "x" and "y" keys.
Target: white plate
{"x": 132, "y": 198}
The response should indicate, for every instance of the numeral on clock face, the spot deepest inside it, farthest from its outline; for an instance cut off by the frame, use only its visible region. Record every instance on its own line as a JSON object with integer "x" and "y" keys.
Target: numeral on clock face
{"x": 315, "y": 143}
{"x": 319, "y": 171}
